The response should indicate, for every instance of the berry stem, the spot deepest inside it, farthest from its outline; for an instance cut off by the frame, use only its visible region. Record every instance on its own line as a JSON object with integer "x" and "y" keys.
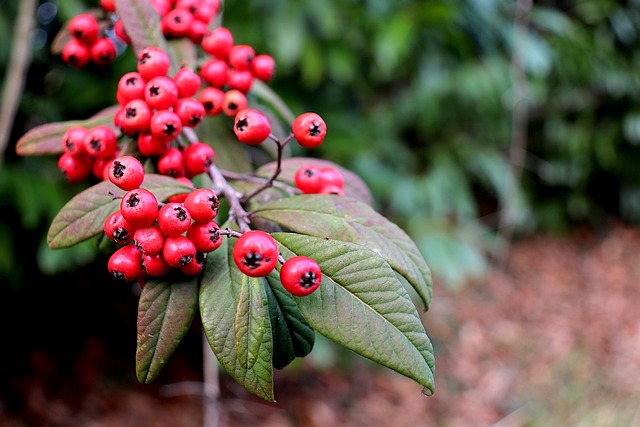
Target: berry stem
{"x": 234, "y": 176}
{"x": 269, "y": 182}
{"x": 229, "y": 233}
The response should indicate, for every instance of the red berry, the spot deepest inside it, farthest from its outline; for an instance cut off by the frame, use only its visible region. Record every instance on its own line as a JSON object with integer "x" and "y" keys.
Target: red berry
{"x": 153, "y": 62}
{"x": 100, "y": 141}
{"x": 108, "y": 5}
{"x": 171, "y": 163}
{"x": 332, "y": 189}
{"x": 176, "y": 23}
{"x": 218, "y": 42}
{"x": 240, "y": 56}
{"x": 187, "y": 81}
{"x": 162, "y": 7}
{"x": 165, "y": 124}
{"x": 215, "y": 72}
{"x": 300, "y": 275}
{"x": 75, "y": 168}
{"x": 240, "y": 79}
{"x": 255, "y": 253}
{"x": 73, "y": 140}
{"x": 204, "y": 236}
{"x": 202, "y": 204}
{"x": 125, "y": 263}
{"x": 131, "y": 86}
{"x": 139, "y": 207}
{"x": 100, "y": 166}
{"x": 190, "y": 111}
{"x": 155, "y": 264}
{"x": 309, "y": 129}
{"x": 174, "y": 219}
{"x": 118, "y": 229}
{"x": 263, "y": 67}
{"x": 309, "y": 179}
{"x": 76, "y": 53}
{"x": 251, "y": 126}
{"x": 84, "y": 28}
{"x": 212, "y": 100}
{"x": 150, "y": 145}
{"x": 178, "y": 251}
{"x": 233, "y": 101}
{"x": 126, "y": 172}
{"x": 180, "y": 198}
{"x": 161, "y": 93}
{"x": 120, "y": 32}
{"x": 196, "y": 265}
{"x": 204, "y": 12}
{"x": 103, "y": 51}
{"x": 136, "y": 118}
{"x": 197, "y": 158}
{"x": 332, "y": 177}
{"x": 149, "y": 239}
{"x": 197, "y": 30}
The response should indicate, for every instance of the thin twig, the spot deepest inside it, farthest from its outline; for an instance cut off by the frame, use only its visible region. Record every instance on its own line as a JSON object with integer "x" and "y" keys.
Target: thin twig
{"x": 269, "y": 182}
{"x": 234, "y": 176}
{"x": 519, "y": 119}
{"x": 17, "y": 70}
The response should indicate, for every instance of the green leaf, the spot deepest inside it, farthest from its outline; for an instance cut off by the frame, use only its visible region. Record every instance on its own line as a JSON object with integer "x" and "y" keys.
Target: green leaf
{"x": 292, "y": 335}
{"x": 361, "y": 305}
{"x": 165, "y": 312}
{"x": 84, "y": 215}
{"x": 349, "y": 220}
{"x": 219, "y": 298}
{"x": 251, "y": 319}
{"x": 265, "y": 93}
{"x": 47, "y": 139}
{"x": 353, "y": 185}
{"x": 142, "y": 24}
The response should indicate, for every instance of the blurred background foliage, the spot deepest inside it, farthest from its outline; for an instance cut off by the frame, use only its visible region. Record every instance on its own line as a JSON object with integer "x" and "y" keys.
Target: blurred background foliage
{"x": 418, "y": 97}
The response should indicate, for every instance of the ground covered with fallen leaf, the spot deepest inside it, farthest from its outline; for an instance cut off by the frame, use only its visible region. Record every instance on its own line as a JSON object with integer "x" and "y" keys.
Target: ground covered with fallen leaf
{"x": 552, "y": 339}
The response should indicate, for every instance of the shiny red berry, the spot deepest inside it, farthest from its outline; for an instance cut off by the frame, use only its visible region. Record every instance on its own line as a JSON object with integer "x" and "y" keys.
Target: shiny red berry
{"x": 100, "y": 141}
{"x": 153, "y": 62}
{"x": 155, "y": 264}
{"x": 308, "y": 179}
{"x": 332, "y": 177}
{"x": 75, "y": 168}
{"x": 197, "y": 158}
{"x": 125, "y": 263}
{"x": 240, "y": 56}
{"x": 218, "y": 42}
{"x": 332, "y": 189}
{"x": 161, "y": 93}
{"x": 100, "y": 166}
{"x": 73, "y": 140}
{"x": 76, "y": 54}
{"x": 212, "y": 100}
{"x": 263, "y": 67}
{"x": 174, "y": 219}
{"x": 136, "y": 118}
{"x": 187, "y": 81}
{"x": 251, "y": 126}
{"x": 108, "y": 5}
{"x": 150, "y": 145}
{"x": 162, "y": 7}
{"x": 118, "y": 28}
{"x": 149, "y": 239}
{"x": 126, "y": 172}
{"x": 300, "y": 275}
{"x": 255, "y": 253}
{"x": 240, "y": 79}
{"x": 202, "y": 204}
{"x": 196, "y": 265}
{"x": 118, "y": 229}
{"x": 309, "y": 130}
{"x": 165, "y": 124}
{"x": 215, "y": 72}
{"x": 205, "y": 236}
{"x": 190, "y": 110}
{"x": 131, "y": 86}
{"x": 233, "y": 101}
{"x": 139, "y": 207}
{"x": 103, "y": 51}
{"x": 180, "y": 198}
{"x": 84, "y": 28}
{"x": 197, "y": 30}
{"x": 178, "y": 251}
{"x": 176, "y": 23}
{"x": 171, "y": 163}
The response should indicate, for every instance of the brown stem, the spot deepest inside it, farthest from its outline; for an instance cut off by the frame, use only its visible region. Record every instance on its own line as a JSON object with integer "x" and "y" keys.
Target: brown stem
{"x": 257, "y": 180}
{"x": 222, "y": 187}
{"x": 269, "y": 182}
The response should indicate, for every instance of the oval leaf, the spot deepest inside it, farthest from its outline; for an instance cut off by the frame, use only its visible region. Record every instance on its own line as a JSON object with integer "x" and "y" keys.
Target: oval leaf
{"x": 361, "y": 305}
{"x": 219, "y": 297}
{"x": 353, "y": 186}
{"x": 47, "y": 139}
{"x": 349, "y": 220}
{"x": 251, "y": 318}
{"x": 165, "y": 312}
{"x": 84, "y": 215}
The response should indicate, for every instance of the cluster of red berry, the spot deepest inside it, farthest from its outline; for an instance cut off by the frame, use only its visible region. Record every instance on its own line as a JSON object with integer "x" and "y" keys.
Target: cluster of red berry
{"x": 87, "y": 151}
{"x": 157, "y": 238}
{"x": 311, "y": 179}
{"x": 87, "y": 43}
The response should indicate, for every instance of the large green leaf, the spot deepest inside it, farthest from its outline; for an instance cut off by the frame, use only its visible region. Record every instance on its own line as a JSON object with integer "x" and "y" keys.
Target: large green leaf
{"x": 349, "y": 220}
{"x": 353, "y": 185}
{"x": 165, "y": 312}
{"x": 252, "y": 317}
{"x": 292, "y": 335}
{"x": 84, "y": 215}
{"x": 142, "y": 24}
{"x": 47, "y": 139}
{"x": 361, "y": 305}
{"x": 219, "y": 297}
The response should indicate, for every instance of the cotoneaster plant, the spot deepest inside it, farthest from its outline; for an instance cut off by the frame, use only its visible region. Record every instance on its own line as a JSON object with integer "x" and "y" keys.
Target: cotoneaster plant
{"x": 266, "y": 255}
